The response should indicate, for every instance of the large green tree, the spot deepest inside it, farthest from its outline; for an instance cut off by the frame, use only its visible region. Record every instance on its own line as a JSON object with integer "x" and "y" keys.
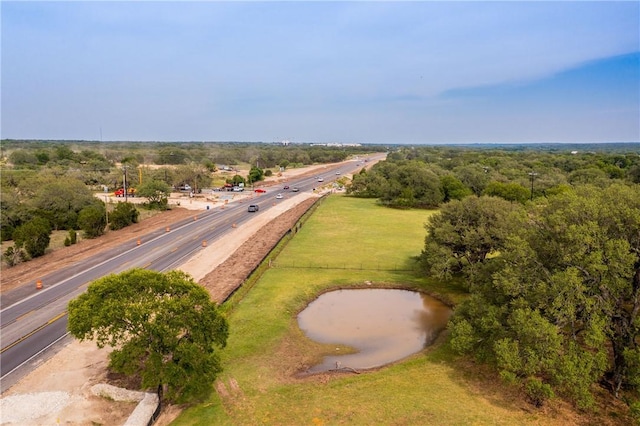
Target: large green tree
{"x": 405, "y": 183}
{"x": 473, "y": 176}
{"x": 163, "y": 327}
{"x": 60, "y": 200}
{"x": 256, "y": 174}
{"x": 561, "y": 305}
{"x": 508, "y": 191}
{"x": 463, "y": 234}
{"x": 453, "y": 189}
{"x": 13, "y": 212}
{"x": 156, "y": 192}
{"x": 197, "y": 176}
{"x": 33, "y": 236}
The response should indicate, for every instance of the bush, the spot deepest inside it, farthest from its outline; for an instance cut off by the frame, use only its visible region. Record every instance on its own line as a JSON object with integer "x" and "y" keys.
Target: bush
{"x": 123, "y": 215}
{"x": 13, "y": 256}
{"x": 6, "y": 232}
{"x": 73, "y": 236}
{"x": 33, "y": 236}
{"x": 635, "y": 410}
{"x": 538, "y": 391}
{"x": 92, "y": 220}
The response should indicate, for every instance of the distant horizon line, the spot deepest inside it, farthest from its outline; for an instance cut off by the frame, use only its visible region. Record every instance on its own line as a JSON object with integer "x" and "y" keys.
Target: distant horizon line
{"x": 317, "y": 143}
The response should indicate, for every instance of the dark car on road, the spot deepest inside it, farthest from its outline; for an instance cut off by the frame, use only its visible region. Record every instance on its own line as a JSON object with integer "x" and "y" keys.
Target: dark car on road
{"x": 253, "y": 208}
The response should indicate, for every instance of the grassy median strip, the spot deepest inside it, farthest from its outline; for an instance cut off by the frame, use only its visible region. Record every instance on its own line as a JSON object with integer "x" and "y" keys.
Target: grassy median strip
{"x": 347, "y": 242}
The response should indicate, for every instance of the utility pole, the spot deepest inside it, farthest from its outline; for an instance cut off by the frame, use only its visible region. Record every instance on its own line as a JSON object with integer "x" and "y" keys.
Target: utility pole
{"x": 532, "y": 176}
{"x": 124, "y": 183}
{"x": 106, "y": 209}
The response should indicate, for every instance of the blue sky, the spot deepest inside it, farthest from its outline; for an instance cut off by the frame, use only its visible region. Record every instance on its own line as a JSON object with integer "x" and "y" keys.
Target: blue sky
{"x": 368, "y": 72}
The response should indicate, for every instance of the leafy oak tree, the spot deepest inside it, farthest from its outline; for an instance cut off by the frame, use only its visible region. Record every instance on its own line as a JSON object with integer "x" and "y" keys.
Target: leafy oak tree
{"x": 561, "y": 307}
{"x": 465, "y": 232}
{"x": 163, "y": 327}
{"x": 453, "y": 189}
{"x": 509, "y": 191}
{"x": 402, "y": 184}
{"x": 156, "y": 192}
{"x": 61, "y": 200}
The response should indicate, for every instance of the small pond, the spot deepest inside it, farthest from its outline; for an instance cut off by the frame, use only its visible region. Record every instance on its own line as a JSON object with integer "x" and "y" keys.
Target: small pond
{"x": 382, "y": 325}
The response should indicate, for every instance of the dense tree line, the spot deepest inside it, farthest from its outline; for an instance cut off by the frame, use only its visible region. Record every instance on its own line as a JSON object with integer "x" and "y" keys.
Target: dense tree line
{"x": 554, "y": 287}
{"x": 91, "y": 155}
{"x": 426, "y": 177}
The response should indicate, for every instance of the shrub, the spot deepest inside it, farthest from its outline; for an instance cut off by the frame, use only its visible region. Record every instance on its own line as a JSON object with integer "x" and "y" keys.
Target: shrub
{"x": 538, "y": 391}
{"x": 123, "y": 215}
{"x": 33, "y": 236}
{"x": 92, "y": 220}
{"x": 13, "y": 256}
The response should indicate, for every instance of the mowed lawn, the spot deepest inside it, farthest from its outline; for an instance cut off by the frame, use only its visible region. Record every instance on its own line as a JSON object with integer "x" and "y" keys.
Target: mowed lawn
{"x": 346, "y": 242}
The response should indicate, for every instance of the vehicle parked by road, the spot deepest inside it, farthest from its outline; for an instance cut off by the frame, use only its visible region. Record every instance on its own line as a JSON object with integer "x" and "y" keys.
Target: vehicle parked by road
{"x": 131, "y": 192}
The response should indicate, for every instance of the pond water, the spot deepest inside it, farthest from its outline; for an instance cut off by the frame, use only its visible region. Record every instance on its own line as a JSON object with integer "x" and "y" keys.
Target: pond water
{"x": 382, "y": 325}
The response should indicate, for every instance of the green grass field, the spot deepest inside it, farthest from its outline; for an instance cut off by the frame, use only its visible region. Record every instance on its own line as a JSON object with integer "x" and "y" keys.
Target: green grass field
{"x": 266, "y": 350}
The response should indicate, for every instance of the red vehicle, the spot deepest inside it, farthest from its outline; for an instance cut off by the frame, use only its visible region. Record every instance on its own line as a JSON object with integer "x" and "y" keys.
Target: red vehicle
{"x": 120, "y": 192}
{"x": 260, "y": 191}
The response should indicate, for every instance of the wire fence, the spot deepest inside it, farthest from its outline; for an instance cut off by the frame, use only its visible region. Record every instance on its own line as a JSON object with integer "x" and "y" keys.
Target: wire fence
{"x": 344, "y": 266}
